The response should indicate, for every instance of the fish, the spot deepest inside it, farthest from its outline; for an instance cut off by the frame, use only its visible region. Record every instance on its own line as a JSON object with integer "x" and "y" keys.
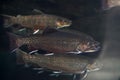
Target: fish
{"x": 36, "y": 22}
{"x": 64, "y": 63}
{"x": 108, "y": 4}
{"x": 56, "y": 41}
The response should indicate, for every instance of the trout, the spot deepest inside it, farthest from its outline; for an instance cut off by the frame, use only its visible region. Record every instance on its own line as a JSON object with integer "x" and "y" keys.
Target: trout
{"x": 56, "y": 41}
{"x": 37, "y": 22}
{"x": 59, "y": 62}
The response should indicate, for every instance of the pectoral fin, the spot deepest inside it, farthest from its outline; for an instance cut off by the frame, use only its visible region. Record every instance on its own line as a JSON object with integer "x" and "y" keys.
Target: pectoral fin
{"x": 36, "y": 31}
{"x": 49, "y": 54}
{"x": 55, "y": 73}
{"x": 81, "y": 76}
{"x": 39, "y": 70}
{"x": 23, "y": 29}
{"x": 32, "y": 52}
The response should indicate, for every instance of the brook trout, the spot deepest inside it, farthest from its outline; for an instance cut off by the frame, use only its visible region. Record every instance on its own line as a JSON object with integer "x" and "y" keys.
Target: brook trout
{"x": 36, "y": 22}
{"x": 60, "y": 62}
{"x": 56, "y": 41}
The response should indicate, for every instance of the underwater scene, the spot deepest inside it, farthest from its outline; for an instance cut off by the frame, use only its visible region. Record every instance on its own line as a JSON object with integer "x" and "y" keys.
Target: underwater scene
{"x": 60, "y": 39}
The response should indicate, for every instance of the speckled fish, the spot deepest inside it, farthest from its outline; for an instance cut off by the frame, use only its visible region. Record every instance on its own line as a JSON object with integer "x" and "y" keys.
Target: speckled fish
{"x": 59, "y": 62}
{"x": 56, "y": 41}
{"x": 37, "y": 22}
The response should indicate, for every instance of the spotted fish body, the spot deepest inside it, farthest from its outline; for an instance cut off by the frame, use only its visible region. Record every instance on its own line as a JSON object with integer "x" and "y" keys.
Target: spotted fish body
{"x": 37, "y": 21}
{"x": 56, "y": 41}
{"x": 64, "y": 63}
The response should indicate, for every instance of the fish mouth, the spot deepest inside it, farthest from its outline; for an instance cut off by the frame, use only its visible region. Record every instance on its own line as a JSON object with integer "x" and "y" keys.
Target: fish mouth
{"x": 93, "y": 50}
{"x": 93, "y": 47}
{"x": 65, "y": 25}
{"x": 88, "y": 48}
{"x": 61, "y": 25}
{"x": 94, "y": 67}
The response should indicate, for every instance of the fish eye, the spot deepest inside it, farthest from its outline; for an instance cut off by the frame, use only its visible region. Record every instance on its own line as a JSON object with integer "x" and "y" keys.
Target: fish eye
{"x": 61, "y": 21}
{"x": 65, "y": 22}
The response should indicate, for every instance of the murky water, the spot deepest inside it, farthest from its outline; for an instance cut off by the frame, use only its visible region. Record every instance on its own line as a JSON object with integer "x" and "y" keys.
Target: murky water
{"x": 104, "y": 27}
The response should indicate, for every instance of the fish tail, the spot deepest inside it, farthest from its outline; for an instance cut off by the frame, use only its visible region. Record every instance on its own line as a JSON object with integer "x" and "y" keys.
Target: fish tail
{"x": 6, "y": 20}
{"x": 13, "y": 44}
{"x": 19, "y": 58}
{"x": 6, "y": 16}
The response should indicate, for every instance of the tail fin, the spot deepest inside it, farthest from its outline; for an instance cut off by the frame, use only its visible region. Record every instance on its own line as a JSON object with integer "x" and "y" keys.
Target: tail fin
{"x": 13, "y": 38}
{"x": 6, "y": 16}
{"x": 19, "y": 58}
{"x": 6, "y": 20}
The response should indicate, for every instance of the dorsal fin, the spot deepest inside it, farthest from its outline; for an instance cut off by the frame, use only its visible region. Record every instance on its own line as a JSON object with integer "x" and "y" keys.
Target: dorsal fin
{"x": 18, "y": 16}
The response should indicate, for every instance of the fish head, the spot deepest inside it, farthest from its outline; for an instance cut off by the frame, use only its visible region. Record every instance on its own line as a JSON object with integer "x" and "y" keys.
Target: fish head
{"x": 89, "y": 46}
{"x": 63, "y": 22}
{"x": 95, "y": 66}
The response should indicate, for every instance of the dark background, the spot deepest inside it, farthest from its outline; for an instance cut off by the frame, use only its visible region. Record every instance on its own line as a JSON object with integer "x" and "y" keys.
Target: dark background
{"x": 88, "y": 16}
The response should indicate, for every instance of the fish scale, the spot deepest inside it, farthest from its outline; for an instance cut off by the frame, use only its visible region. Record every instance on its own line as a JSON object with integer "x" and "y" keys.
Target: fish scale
{"x": 57, "y": 41}
{"x": 61, "y": 62}
{"x": 37, "y": 21}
